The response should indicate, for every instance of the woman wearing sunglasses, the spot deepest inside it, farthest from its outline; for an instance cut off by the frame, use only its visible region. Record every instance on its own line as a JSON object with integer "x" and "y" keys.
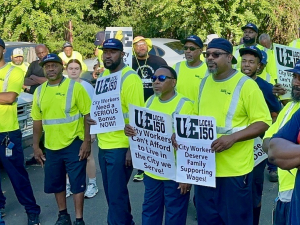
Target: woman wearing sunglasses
{"x": 161, "y": 193}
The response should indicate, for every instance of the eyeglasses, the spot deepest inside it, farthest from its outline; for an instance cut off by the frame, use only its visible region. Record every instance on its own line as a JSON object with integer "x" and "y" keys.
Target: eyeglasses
{"x": 189, "y": 47}
{"x": 214, "y": 54}
{"x": 160, "y": 78}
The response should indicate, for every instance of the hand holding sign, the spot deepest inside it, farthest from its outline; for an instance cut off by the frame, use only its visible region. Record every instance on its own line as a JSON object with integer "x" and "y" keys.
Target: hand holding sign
{"x": 129, "y": 131}
{"x": 222, "y": 143}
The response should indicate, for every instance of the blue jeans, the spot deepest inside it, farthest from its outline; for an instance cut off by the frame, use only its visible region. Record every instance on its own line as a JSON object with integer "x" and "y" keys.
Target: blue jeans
{"x": 160, "y": 195}
{"x": 17, "y": 173}
{"x": 115, "y": 177}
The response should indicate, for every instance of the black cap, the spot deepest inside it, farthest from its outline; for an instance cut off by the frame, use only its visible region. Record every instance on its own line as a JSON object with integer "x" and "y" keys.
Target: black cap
{"x": 195, "y": 39}
{"x": 67, "y": 44}
{"x": 250, "y": 26}
{"x": 223, "y": 44}
{"x": 51, "y": 58}
{"x": 112, "y": 43}
{"x": 252, "y": 49}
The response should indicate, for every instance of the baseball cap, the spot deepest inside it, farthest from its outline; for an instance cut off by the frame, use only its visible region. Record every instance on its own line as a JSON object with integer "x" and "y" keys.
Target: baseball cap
{"x": 210, "y": 37}
{"x": 195, "y": 39}
{"x": 141, "y": 38}
{"x": 100, "y": 36}
{"x": 296, "y": 69}
{"x": 51, "y": 58}
{"x": 17, "y": 52}
{"x": 67, "y": 44}
{"x": 112, "y": 43}
{"x": 251, "y": 26}
{"x": 264, "y": 59}
{"x": 252, "y": 49}
{"x": 223, "y": 44}
{"x": 2, "y": 44}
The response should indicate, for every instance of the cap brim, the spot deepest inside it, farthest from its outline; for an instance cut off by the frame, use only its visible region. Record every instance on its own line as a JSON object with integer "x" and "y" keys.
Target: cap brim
{"x": 293, "y": 71}
{"x": 185, "y": 41}
{"x": 242, "y": 50}
{"x": 243, "y": 28}
{"x": 43, "y": 63}
{"x": 111, "y": 47}
{"x": 17, "y": 55}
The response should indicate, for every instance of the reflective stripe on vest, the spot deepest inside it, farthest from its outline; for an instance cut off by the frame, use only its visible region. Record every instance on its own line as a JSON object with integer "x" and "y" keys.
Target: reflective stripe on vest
{"x": 268, "y": 77}
{"x": 5, "y": 83}
{"x": 69, "y": 98}
{"x": 177, "y": 67}
{"x": 228, "y": 129}
{"x": 149, "y": 102}
{"x": 294, "y": 43}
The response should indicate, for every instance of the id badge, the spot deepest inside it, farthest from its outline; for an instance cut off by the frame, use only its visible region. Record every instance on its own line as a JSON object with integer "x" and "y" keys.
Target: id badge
{"x": 8, "y": 150}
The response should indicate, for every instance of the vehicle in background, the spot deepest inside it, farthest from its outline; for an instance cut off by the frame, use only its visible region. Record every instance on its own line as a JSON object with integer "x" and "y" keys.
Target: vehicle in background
{"x": 24, "y": 99}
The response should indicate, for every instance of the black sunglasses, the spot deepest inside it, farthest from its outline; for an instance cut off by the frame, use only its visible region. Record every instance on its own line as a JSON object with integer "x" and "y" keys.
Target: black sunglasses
{"x": 161, "y": 78}
{"x": 214, "y": 54}
{"x": 190, "y": 47}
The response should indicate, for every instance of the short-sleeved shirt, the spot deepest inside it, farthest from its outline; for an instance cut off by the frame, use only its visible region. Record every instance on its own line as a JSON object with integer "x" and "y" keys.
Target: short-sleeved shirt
{"x": 273, "y": 103}
{"x": 267, "y": 77}
{"x": 146, "y": 69}
{"x": 131, "y": 93}
{"x": 251, "y": 107}
{"x": 88, "y": 87}
{"x": 168, "y": 107}
{"x": 8, "y": 113}
{"x": 51, "y": 103}
{"x": 189, "y": 78}
{"x": 24, "y": 66}
{"x": 290, "y": 132}
{"x": 34, "y": 69}
{"x": 75, "y": 55}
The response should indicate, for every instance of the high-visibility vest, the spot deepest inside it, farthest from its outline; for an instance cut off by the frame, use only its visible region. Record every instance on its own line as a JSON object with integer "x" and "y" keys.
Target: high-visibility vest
{"x": 228, "y": 129}
{"x": 5, "y": 82}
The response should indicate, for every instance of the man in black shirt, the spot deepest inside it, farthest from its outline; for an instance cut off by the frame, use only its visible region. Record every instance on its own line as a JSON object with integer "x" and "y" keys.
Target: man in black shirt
{"x": 35, "y": 75}
{"x": 145, "y": 65}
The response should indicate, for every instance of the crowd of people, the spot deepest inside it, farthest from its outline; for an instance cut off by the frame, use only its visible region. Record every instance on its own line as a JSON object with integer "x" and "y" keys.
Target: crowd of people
{"x": 237, "y": 85}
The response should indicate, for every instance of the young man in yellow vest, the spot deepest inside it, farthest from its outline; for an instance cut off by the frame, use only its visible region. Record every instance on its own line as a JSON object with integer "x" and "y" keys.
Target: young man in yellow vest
{"x": 60, "y": 108}
{"x": 191, "y": 71}
{"x": 239, "y": 108}
{"x": 11, "y": 152}
{"x": 114, "y": 152}
{"x": 17, "y": 60}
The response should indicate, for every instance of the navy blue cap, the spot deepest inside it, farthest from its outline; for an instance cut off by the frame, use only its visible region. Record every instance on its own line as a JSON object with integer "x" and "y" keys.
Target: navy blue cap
{"x": 51, "y": 58}
{"x": 2, "y": 44}
{"x": 250, "y": 26}
{"x": 252, "y": 49}
{"x": 112, "y": 43}
{"x": 100, "y": 36}
{"x": 223, "y": 44}
{"x": 264, "y": 59}
{"x": 296, "y": 69}
{"x": 67, "y": 44}
{"x": 195, "y": 39}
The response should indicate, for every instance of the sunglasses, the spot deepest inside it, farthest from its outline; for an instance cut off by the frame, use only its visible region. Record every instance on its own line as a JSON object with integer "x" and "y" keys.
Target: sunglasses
{"x": 160, "y": 78}
{"x": 214, "y": 54}
{"x": 189, "y": 47}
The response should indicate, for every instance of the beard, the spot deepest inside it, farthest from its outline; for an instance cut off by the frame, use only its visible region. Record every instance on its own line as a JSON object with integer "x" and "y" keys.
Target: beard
{"x": 249, "y": 41}
{"x": 295, "y": 97}
{"x": 212, "y": 71}
{"x": 114, "y": 65}
{"x": 142, "y": 54}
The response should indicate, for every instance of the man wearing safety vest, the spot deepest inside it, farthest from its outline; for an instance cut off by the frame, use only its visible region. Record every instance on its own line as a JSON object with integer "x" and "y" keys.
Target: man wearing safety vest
{"x": 251, "y": 61}
{"x": 114, "y": 152}
{"x": 17, "y": 60}
{"x": 161, "y": 192}
{"x": 249, "y": 39}
{"x": 239, "y": 108}
{"x": 286, "y": 178}
{"x": 68, "y": 53}
{"x": 60, "y": 109}
{"x": 11, "y": 152}
{"x": 191, "y": 71}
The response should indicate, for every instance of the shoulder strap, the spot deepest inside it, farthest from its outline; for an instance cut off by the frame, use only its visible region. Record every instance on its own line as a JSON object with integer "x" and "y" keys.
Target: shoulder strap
{"x": 149, "y": 102}
{"x": 5, "y": 83}
{"x": 180, "y": 104}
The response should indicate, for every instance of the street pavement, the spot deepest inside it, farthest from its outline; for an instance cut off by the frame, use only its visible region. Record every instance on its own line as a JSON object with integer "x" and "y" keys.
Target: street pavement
{"x": 95, "y": 209}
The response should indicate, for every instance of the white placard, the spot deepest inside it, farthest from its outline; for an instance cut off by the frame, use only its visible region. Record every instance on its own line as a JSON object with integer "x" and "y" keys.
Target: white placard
{"x": 196, "y": 162}
{"x": 126, "y": 36}
{"x": 151, "y": 149}
{"x": 286, "y": 58}
{"x": 259, "y": 154}
{"x": 106, "y": 107}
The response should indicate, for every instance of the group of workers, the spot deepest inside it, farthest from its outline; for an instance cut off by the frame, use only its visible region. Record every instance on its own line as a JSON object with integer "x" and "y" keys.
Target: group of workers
{"x": 232, "y": 84}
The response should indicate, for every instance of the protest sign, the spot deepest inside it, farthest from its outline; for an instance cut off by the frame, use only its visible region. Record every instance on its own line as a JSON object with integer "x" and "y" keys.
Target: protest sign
{"x": 106, "y": 107}
{"x": 195, "y": 159}
{"x": 259, "y": 154}
{"x": 151, "y": 149}
{"x": 125, "y": 35}
{"x": 286, "y": 58}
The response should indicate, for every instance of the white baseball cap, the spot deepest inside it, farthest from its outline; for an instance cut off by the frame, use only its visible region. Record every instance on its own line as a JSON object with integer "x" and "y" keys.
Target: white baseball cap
{"x": 17, "y": 52}
{"x": 210, "y": 37}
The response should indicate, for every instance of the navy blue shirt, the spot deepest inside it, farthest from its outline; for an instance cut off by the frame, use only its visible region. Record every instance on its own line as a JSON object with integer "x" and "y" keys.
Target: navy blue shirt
{"x": 272, "y": 101}
{"x": 290, "y": 132}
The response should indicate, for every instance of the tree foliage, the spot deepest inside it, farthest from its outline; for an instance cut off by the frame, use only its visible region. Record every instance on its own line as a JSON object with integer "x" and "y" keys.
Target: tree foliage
{"x": 44, "y": 21}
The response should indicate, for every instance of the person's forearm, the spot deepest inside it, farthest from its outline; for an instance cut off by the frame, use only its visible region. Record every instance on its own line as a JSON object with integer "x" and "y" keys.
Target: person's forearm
{"x": 265, "y": 145}
{"x": 29, "y": 82}
{"x": 87, "y": 135}
{"x": 39, "y": 80}
{"x": 250, "y": 132}
{"x": 284, "y": 153}
{"x": 7, "y": 98}
{"x": 37, "y": 132}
